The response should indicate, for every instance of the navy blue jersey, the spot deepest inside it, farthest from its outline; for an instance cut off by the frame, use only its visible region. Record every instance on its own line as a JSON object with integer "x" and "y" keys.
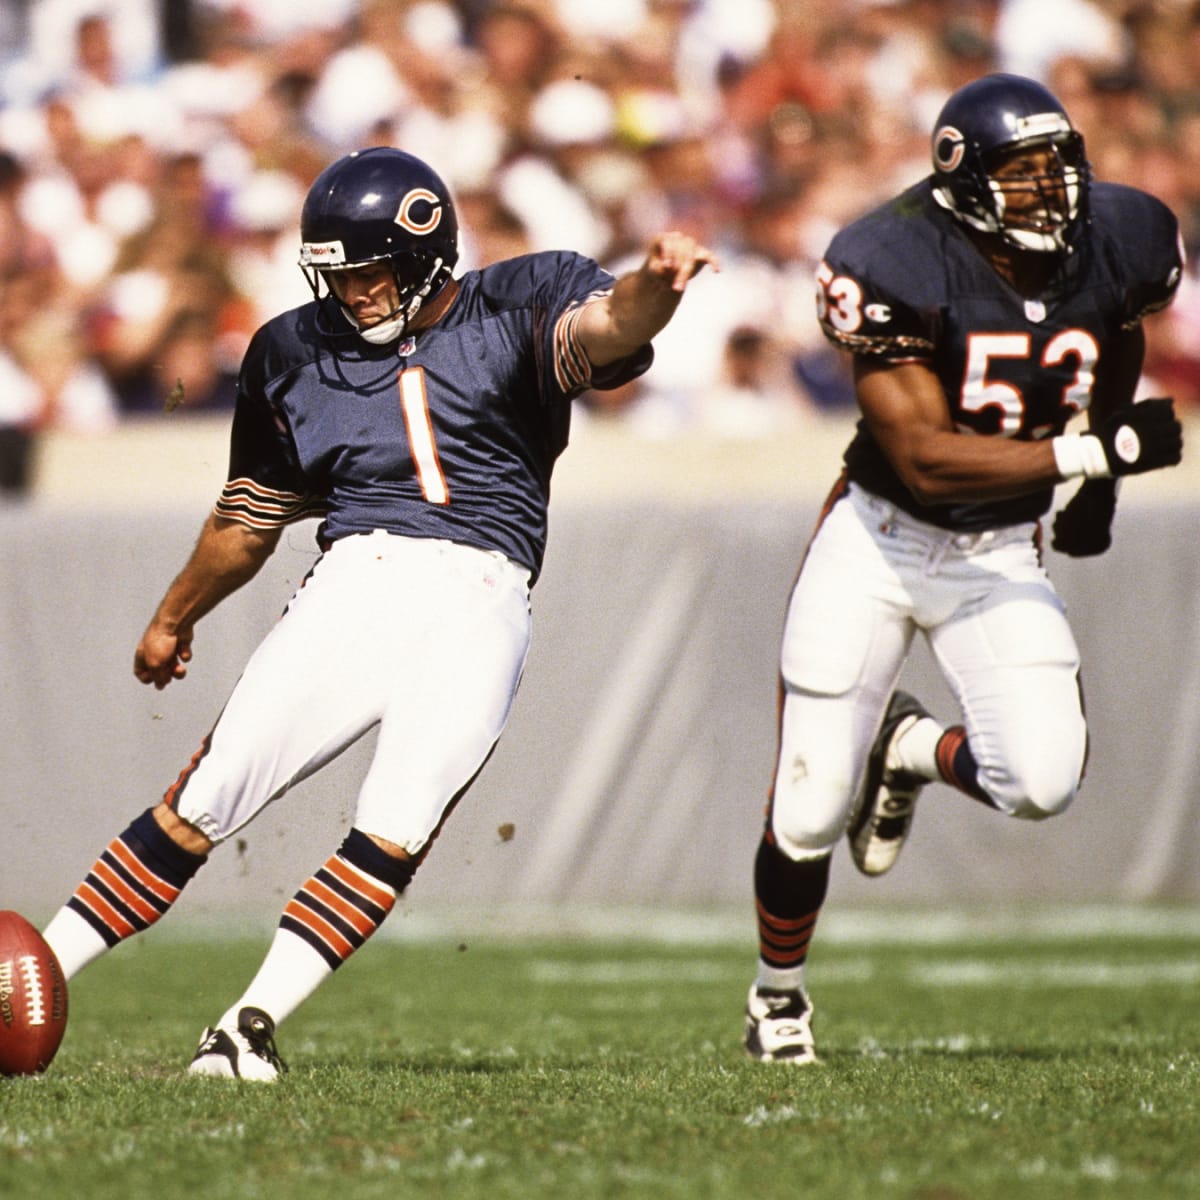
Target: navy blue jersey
{"x": 905, "y": 284}
{"x": 452, "y": 433}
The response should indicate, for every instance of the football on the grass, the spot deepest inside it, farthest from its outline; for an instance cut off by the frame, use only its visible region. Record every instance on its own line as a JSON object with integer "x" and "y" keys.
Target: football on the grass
{"x": 33, "y": 998}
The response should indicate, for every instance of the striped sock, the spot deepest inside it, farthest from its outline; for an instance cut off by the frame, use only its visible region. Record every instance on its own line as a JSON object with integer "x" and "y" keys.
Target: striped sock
{"x": 329, "y": 918}
{"x": 131, "y": 885}
{"x": 957, "y": 766}
{"x": 788, "y": 899}
{"x": 938, "y": 753}
{"x": 347, "y": 899}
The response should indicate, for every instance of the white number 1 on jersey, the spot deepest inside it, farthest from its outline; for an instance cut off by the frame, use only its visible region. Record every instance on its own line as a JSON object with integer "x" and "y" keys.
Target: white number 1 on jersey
{"x": 415, "y": 406}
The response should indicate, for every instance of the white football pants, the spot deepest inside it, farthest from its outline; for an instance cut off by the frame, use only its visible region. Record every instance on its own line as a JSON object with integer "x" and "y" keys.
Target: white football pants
{"x": 426, "y": 639}
{"x": 872, "y": 577}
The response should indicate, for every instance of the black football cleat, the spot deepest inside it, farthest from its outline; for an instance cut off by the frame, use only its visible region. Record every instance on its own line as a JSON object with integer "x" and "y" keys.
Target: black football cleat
{"x": 247, "y": 1052}
{"x": 889, "y": 795}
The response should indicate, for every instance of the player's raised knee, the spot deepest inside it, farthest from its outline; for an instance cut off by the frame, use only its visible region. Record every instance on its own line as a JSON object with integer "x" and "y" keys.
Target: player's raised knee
{"x": 1042, "y": 791}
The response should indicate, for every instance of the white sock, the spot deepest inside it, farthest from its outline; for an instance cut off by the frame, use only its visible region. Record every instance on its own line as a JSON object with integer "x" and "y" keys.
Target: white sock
{"x": 916, "y": 749}
{"x": 74, "y": 942}
{"x": 289, "y": 974}
{"x": 775, "y": 979}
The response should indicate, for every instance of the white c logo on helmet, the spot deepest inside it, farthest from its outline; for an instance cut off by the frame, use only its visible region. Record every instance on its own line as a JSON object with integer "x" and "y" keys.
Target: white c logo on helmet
{"x": 416, "y": 196}
{"x": 949, "y": 146}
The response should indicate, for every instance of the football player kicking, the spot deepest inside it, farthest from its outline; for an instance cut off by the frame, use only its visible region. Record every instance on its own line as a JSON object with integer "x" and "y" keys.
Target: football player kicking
{"x": 420, "y": 415}
{"x": 984, "y": 307}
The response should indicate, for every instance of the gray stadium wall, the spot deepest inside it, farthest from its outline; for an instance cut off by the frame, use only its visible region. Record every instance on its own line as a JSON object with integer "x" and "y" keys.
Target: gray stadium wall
{"x": 636, "y": 765}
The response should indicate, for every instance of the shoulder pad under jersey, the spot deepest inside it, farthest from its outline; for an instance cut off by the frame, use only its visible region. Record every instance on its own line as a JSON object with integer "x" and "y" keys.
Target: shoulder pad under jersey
{"x": 1140, "y": 237}
{"x": 881, "y": 285}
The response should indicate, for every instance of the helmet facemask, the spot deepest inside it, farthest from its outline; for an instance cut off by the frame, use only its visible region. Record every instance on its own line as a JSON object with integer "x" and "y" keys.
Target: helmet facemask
{"x": 1038, "y": 212}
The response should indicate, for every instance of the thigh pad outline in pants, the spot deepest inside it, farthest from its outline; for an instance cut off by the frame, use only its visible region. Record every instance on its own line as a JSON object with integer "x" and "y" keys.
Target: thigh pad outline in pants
{"x": 435, "y": 738}
{"x": 845, "y": 639}
{"x": 1013, "y": 664}
{"x": 363, "y": 628}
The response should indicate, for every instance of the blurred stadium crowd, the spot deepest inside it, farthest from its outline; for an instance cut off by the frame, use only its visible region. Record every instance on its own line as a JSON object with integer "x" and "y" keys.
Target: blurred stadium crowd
{"x": 154, "y": 155}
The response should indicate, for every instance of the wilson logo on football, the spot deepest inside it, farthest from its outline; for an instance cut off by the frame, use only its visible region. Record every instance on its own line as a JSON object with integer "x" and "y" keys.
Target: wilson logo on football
{"x": 6, "y": 993}
{"x": 406, "y": 217}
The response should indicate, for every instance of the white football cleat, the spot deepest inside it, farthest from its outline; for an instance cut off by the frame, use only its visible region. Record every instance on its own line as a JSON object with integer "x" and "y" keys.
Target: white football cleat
{"x": 247, "y": 1052}
{"x": 779, "y": 1027}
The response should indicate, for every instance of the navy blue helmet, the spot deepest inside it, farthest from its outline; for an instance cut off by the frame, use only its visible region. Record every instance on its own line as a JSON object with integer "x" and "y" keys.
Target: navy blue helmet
{"x": 381, "y": 205}
{"x": 983, "y": 123}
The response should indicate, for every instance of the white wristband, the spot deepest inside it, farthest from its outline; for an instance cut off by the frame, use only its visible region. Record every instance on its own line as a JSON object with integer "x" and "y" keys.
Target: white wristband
{"x": 1080, "y": 454}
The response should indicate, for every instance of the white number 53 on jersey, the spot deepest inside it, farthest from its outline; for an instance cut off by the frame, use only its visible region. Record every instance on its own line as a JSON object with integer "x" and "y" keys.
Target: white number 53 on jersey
{"x": 840, "y": 305}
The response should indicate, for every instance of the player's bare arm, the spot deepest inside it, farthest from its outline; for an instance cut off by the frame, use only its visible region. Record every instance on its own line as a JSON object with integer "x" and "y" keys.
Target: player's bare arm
{"x": 906, "y": 410}
{"x": 227, "y": 555}
{"x": 642, "y": 301}
{"x": 907, "y": 413}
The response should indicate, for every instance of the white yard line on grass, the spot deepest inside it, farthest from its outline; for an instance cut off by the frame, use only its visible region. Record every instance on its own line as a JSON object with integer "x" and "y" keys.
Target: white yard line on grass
{"x": 416, "y": 922}
{"x": 957, "y": 973}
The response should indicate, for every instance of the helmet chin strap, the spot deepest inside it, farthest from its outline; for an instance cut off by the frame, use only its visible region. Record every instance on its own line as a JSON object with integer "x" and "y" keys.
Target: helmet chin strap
{"x": 389, "y": 330}
{"x": 393, "y": 326}
{"x": 1039, "y": 243}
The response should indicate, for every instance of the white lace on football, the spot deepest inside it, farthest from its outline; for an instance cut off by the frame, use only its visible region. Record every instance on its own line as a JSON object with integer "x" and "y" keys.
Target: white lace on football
{"x": 35, "y": 994}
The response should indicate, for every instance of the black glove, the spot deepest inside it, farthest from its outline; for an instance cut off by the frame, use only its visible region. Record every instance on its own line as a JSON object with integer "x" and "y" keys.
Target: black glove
{"x": 1141, "y": 437}
{"x": 1083, "y": 526}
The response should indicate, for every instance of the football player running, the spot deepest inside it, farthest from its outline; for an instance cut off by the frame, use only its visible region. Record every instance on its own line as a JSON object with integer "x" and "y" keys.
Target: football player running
{"x": 984, "y": 307}
{"x": 420, "y": 415}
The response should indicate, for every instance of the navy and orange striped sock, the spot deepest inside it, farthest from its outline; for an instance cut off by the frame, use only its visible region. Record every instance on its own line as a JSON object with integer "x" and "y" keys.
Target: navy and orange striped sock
{"x": 329, "y": 918}
{"x": 347, "y": 899}
{"x": 788, "y": 898}
{"x": 130, "y": 886}
{"x": 956, "y": 764}
{"x": 134, "y": 881}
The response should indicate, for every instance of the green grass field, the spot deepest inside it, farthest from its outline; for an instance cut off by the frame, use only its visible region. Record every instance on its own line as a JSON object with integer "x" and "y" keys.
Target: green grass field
{"x": 1033, "y": 1063}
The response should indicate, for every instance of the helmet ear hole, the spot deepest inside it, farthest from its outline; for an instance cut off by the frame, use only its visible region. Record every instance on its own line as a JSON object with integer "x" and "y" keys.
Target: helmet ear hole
{"x": 411, "y": 271}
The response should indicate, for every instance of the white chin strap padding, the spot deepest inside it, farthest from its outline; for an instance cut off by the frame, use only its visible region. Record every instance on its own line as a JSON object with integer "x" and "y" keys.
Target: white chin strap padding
{"x": 385, "y": 331}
